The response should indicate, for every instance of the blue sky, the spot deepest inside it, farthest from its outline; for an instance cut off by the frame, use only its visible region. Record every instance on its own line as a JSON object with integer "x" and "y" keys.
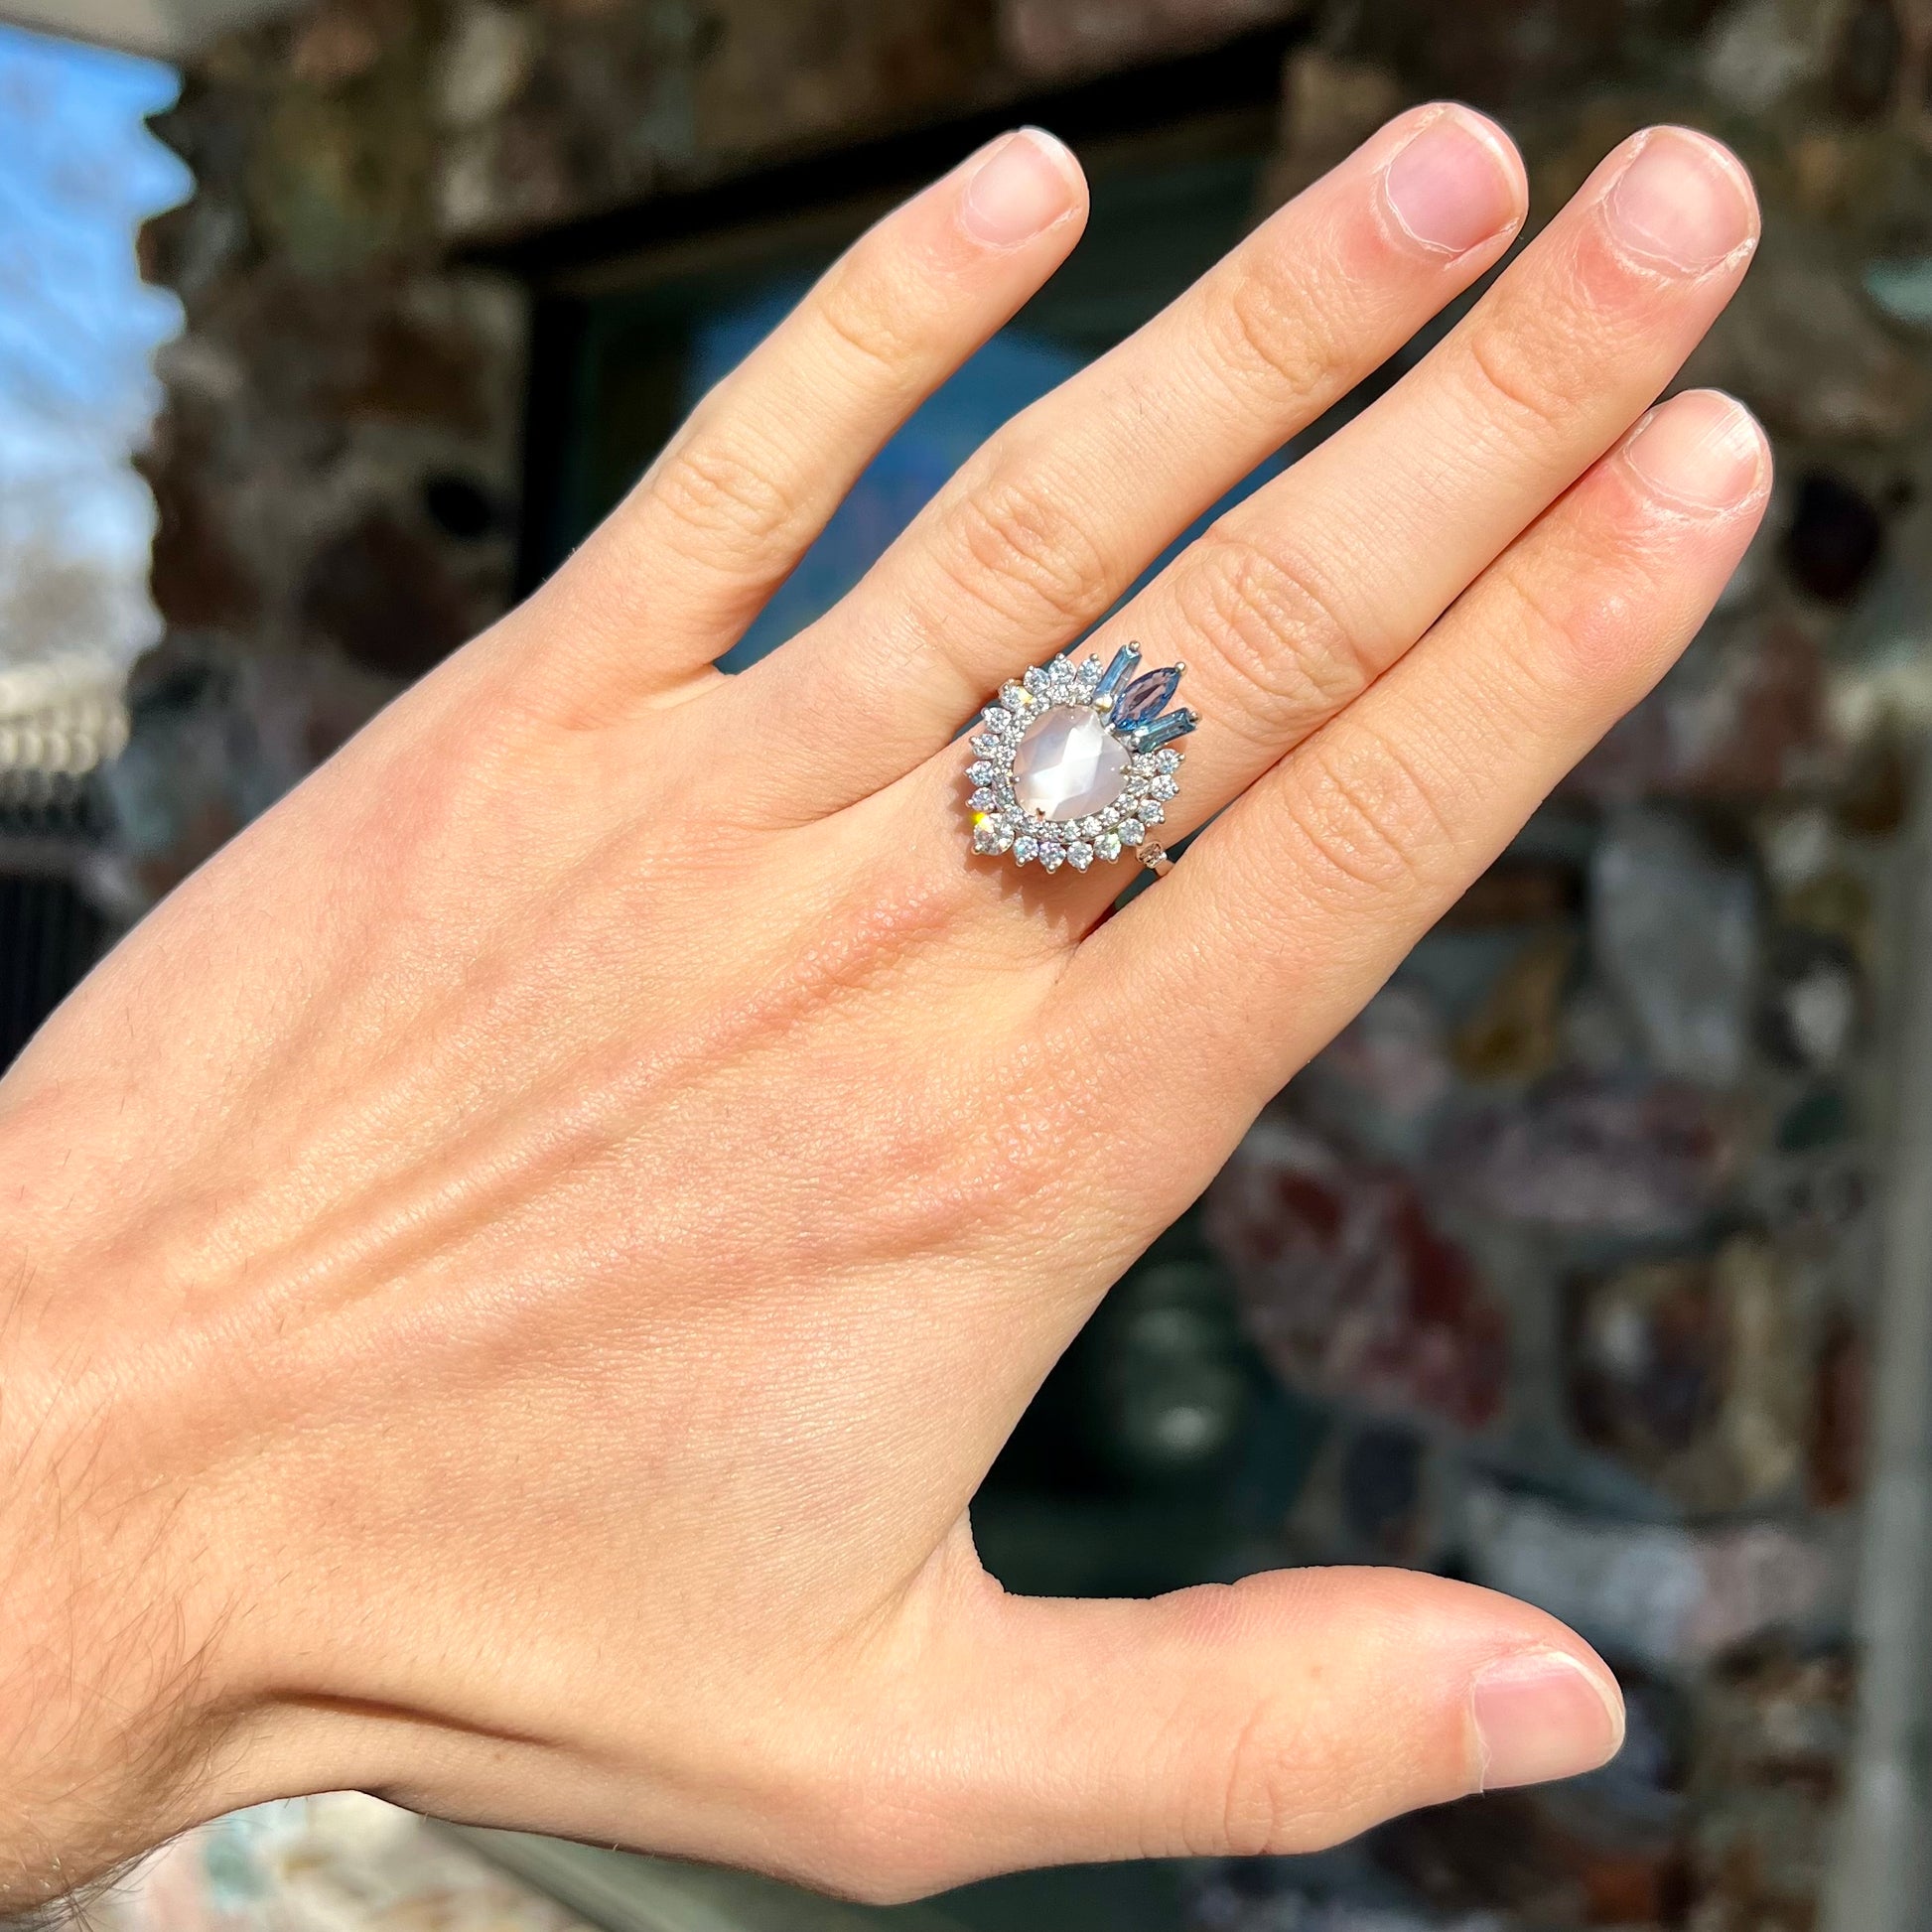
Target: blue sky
{"x": 77, "y": 326}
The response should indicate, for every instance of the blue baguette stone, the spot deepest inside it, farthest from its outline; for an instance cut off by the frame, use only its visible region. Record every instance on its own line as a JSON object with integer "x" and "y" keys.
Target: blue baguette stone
{"x": 1125, "y": 661}
{"x": 1150, "y": 737}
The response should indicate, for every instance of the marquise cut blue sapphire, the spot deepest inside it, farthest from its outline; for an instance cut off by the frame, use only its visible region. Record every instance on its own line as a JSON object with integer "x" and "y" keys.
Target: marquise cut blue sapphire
{"x": 1146, "y": 697}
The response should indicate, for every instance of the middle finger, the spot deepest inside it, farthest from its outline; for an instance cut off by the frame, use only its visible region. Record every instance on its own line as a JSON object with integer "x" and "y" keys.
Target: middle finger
{"x": 1057, "y": 513}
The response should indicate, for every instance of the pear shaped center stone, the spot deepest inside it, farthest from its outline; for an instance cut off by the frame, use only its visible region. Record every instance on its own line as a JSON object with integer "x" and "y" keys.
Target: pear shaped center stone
{"x": 1068, "y": 764}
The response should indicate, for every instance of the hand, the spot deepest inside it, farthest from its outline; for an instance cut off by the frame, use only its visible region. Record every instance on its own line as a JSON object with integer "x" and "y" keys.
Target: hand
{"x": 520, "y": 1264}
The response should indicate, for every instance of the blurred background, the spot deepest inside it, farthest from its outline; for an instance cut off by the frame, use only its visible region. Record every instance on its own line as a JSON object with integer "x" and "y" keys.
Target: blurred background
{"x": 1592, "y": 1262}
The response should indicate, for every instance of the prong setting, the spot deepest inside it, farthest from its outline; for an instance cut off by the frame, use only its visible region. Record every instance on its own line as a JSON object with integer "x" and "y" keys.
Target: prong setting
{"x": 1100, "y": 763}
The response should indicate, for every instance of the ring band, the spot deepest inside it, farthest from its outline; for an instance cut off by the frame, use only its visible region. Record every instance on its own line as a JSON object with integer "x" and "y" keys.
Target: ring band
{"x": 1073, "y": 763}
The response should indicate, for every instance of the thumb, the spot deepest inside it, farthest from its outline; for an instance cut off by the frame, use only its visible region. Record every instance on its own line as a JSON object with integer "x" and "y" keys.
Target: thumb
{"x": 1280, "y": 1714}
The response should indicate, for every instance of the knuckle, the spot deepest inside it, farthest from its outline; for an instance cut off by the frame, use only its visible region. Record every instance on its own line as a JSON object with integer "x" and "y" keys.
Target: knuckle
{"x": 1570, "y": 623}
{"x": 867, "y": 318}
{"x": 1367, "y": 818}
{"x": 1260, "y": 1785}
{"x": 1012, "y": 546}
{"x": 941, "y": 1194}
{"x": 1268, "y": 331}
{"x": 981, "y": 1193}
{"x": 1519, "y": 378}
{"x": 723, "y": 491}
{"x": 1272, "y": 620}
{"x": 1559, "y": 630}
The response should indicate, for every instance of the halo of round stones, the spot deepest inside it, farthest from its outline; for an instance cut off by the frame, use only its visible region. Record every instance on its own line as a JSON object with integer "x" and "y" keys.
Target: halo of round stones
{"x": 1072, "y": 764}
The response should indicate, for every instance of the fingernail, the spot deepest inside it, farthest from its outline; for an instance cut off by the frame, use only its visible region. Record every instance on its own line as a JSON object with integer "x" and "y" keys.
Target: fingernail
{"x": 1543, "y": 1715}
{"x": 1701, "y": 448}
{"x": 1682, "y": 201}
{"x": 1024, "y": 186}
{"x": 1452, "y": 188}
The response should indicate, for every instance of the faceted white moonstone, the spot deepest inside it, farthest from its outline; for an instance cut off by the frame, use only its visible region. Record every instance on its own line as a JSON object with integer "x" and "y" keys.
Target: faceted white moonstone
{"x": 1068, "y": 764}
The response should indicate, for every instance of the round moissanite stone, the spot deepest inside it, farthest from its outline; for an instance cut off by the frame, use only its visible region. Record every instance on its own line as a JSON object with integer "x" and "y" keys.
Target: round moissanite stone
{"x": 1068, "y": 764}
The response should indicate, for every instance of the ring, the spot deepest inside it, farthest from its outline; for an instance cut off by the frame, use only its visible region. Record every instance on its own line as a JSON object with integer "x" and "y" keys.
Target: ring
{"x": 1072, "y": 764}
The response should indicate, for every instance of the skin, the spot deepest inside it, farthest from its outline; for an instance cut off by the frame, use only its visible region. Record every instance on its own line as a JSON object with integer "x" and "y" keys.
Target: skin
{"x": 517, "y": 1268}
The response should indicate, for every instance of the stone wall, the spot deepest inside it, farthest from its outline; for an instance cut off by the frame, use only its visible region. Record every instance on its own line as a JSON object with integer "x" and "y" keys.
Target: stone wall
{"x": 336, "y": 464}
{"x": 1572, "y": 1238}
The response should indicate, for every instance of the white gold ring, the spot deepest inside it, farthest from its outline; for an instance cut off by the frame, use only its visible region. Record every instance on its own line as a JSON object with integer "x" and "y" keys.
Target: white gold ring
{"x": 1072, "y": 764}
